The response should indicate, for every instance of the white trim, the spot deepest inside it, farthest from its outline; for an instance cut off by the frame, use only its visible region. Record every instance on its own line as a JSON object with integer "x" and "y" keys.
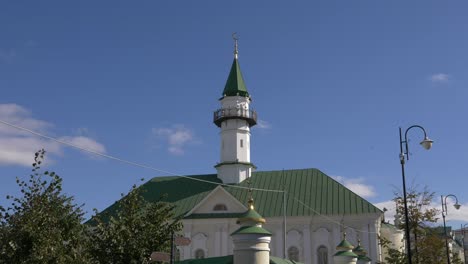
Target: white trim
{"x": 219, "y": 187}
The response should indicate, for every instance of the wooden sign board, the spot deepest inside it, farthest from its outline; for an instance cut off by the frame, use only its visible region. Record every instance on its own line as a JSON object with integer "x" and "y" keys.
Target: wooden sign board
{"x": 160, "y": 256}
{"x": 182, "y": 241}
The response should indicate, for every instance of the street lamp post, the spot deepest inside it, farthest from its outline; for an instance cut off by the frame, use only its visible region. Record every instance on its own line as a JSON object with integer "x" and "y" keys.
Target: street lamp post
{"x": 444, "y": 212}
{"x": 463, "y": 227}
{"x": 427, "y": 144}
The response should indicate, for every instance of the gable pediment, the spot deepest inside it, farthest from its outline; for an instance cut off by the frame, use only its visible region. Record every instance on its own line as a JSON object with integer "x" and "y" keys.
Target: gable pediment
{"x": 219, "y": 201}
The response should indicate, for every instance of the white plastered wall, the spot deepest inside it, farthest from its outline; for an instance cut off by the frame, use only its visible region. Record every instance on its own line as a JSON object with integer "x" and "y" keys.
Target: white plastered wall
{"x": 312, "y": 232}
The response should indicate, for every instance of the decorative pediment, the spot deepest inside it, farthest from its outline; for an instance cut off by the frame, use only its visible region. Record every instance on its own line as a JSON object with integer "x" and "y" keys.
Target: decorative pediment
{"x": 219, "y": 201}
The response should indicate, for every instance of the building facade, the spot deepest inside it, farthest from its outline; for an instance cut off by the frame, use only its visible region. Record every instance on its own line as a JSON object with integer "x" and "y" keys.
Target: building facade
{"x": 306, "y": 210}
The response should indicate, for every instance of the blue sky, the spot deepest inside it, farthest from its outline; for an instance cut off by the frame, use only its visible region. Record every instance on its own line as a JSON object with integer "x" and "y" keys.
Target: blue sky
{"x": 331, "y": 81}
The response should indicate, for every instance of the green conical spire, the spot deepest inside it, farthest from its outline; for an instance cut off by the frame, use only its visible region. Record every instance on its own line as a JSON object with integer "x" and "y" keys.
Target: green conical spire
{"x": 251, "y": 214}
{"x": 345, "y": 248}
{"x": 361, "y": 252}
{"x": 235, "y": 84}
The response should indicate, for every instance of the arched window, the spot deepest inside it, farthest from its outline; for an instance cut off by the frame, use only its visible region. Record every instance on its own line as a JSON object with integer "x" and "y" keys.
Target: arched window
{"x": 322, "y": 255}
{"x": 220, "y": 207}
{"x": 293, "y": 253}
{"x": 199, "y": 254}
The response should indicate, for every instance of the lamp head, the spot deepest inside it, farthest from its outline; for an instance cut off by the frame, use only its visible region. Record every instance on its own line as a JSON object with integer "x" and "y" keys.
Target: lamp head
{"x": 427, "y": 143}
{"x": 457, "y": 206}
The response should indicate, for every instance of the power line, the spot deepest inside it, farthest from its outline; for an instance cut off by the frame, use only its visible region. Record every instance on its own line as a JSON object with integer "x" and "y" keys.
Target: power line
{"x": 170, "y": 173}
{"x": 330, "y": 219}
{"x": 127, "y": 161}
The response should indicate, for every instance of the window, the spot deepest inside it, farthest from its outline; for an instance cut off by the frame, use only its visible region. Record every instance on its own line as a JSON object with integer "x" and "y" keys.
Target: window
{"x": 220, "y": 207}
{"x": 322, "y": 255}
{"x": 293, "y": 254}
{"x": 199, "y": 254}
{"x": 241, "y": 143}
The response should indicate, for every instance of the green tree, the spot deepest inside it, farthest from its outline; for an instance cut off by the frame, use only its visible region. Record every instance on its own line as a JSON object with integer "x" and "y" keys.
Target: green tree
{"x": 393, "y": 255}
{"x": 428, "y": 244}
{"x": 420, "y": 213}
{"x": 432, "y": 247}
{"x": 133, "y": 231}
{"x": 43, "y": 225}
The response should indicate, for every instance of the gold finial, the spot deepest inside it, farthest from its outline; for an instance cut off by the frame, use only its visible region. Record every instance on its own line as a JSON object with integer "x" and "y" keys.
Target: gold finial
{"x": 251, "y": 203}
{"x": 236, "y": 45}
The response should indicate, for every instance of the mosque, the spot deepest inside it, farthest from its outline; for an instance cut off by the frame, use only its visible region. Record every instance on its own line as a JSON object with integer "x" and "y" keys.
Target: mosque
{"x": 300, "y": 215}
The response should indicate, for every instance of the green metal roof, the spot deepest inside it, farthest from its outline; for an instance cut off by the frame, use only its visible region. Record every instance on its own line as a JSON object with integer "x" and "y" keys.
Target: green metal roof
{"x": 345, "y": 245}
{"x": 346, "y": 253}
{"x": 216, "y": 260}
{"x": 359, "y": 250}
{"x": 276, "y": 260}
{"x": 230, "y": 260}
{"x": 184, "y": 193}
{"x": 309, "y": 192}
{"x": 214, "y": 215}
{"x": 235, "y": 84}
{"x": 365, "y": 258}
{"x": 251, "y": 215}
{"x": 252, "y": 230}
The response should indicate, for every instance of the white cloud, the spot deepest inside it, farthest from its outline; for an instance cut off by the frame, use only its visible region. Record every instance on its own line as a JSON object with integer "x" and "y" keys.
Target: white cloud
{"x": 357, "y": 185}
{"x": 177, "y": 138}
{"x": 453, "y": 214}
{"x": 17, "y": 115}
{"x": 85, "y": 143}
{"x": 20, "y": 150}
{"x": 263, "y": 124}
{"x": 390, "y": 210}
{"x": 18, "y": 146}
{"x": 439, "y": 78}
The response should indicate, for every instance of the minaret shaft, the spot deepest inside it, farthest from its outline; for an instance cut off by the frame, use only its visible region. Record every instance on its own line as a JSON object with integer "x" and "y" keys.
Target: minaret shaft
{"x": 235, "y": 118}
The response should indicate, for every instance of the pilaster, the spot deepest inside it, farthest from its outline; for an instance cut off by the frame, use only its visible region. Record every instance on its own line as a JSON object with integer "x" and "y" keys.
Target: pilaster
{"x": 307, "y": 244}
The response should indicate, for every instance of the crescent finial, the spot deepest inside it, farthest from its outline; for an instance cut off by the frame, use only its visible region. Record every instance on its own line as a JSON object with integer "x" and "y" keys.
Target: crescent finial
{"x": 235, "y": 38}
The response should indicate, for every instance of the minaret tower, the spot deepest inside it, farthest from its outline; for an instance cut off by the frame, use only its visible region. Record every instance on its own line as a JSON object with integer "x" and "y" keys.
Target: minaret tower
{"x": 235, "y": 119}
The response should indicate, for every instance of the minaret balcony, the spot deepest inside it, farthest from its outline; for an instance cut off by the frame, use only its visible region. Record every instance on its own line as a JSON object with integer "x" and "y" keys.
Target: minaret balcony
{"x": 235, "y": 113}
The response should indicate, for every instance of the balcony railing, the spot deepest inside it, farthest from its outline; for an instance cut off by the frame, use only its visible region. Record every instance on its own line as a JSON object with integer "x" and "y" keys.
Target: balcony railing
{"x": 230, "y": 113}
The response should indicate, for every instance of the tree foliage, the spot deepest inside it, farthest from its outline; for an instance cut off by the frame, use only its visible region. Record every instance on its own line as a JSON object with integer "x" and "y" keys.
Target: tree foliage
{"x": 420, "y": 212}
{"x": 393, "y": 255}
{"x": 43, "y": 225}
{"x": 431, "y": 248}
{"x": 134, "y": 231}
{"x": 427, "y": 242}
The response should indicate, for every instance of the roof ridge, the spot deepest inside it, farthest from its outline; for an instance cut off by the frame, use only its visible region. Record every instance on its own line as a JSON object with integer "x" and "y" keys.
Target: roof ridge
{"x": 290, "y": 170}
